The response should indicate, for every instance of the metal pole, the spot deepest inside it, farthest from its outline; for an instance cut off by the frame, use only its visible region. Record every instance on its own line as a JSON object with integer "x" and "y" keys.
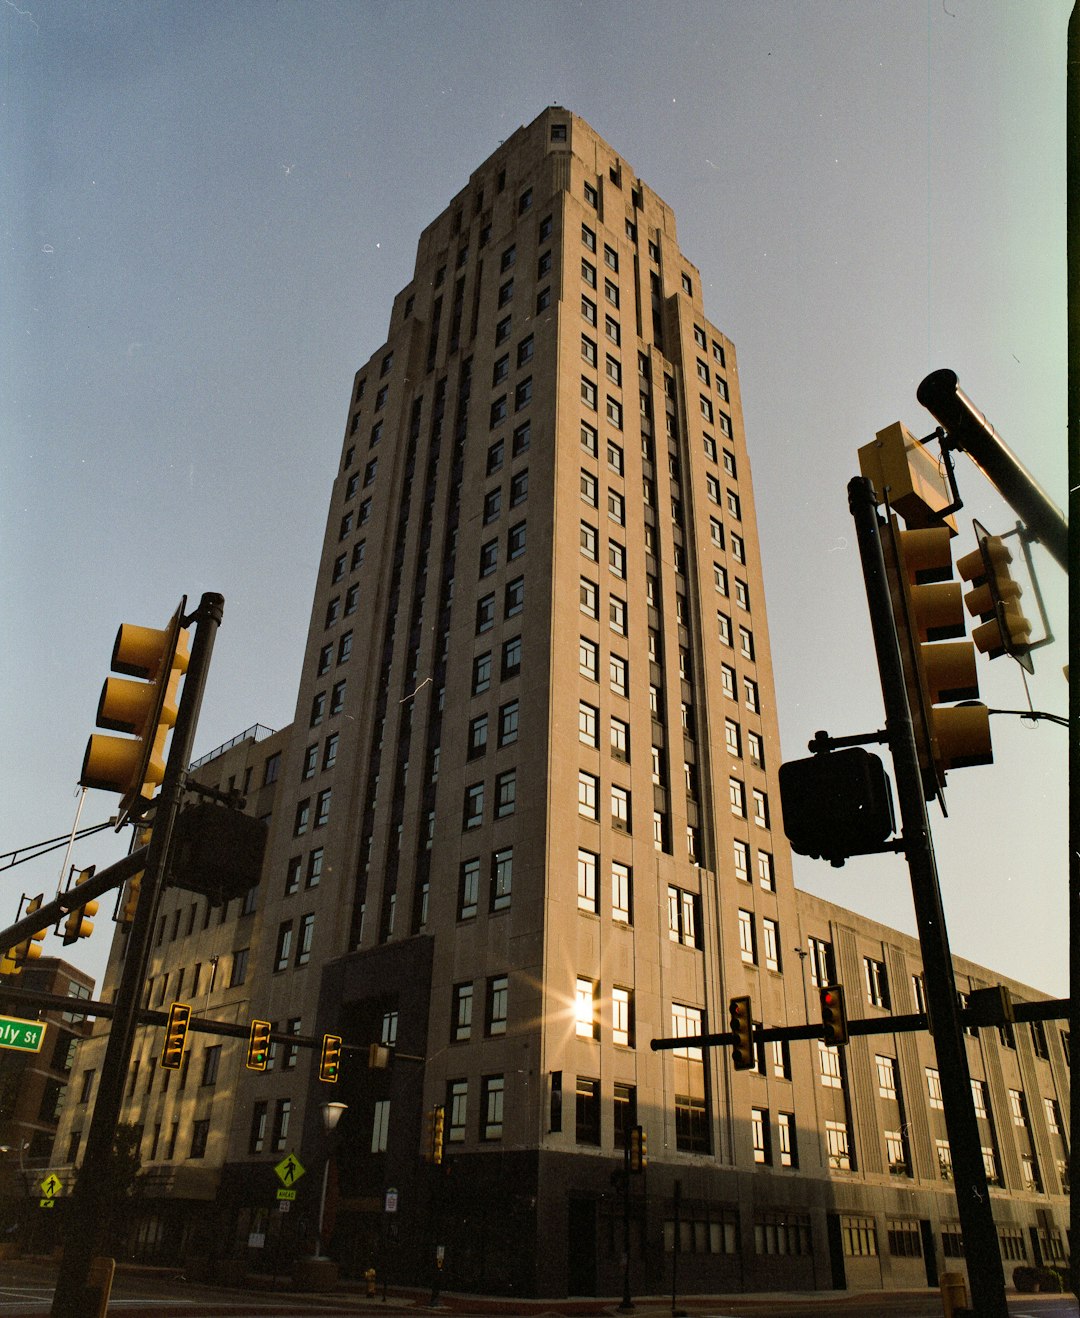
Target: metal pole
{"x": 89, "y": 1205}
{"x": 627, "y": 1304}
{"x": 969, "y": 1175}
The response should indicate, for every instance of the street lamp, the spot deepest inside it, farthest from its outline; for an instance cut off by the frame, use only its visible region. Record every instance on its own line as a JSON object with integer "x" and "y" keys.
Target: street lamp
{"x": 331, "y": 1115}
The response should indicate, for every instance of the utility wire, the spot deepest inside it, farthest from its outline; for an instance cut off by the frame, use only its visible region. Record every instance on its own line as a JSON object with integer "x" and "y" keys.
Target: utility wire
{"x": 9, "y": 859}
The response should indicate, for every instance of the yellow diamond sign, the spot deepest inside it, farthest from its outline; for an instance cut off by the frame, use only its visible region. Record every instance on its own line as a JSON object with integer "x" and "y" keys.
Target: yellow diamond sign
{"x": 289, "y": 1170}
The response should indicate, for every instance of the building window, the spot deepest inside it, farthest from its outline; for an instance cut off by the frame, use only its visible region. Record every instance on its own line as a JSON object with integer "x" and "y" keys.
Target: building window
{"x": 622, "y": 1017}
{"x": 587, "y": 724}
{"x": 587, "y": 1008}
{"x": 505, "y": 793}
{"x": 481, "y": 673}
{"x": 620, "y": 739}
{"x": 478, "y": 735}
{"x": 457, "y": 1106}
{"x": 618, "y": 674}
{"x": 933, "y": 1088}
{"x": 497, "y": 998}
{"x": 620, "y": 808}
{"x": 468, "y": 889}
{"x": 514, "y": 597}
{"x": 588, "y": 597}
{"x": 502, "y": 878}
{"x": 886, "y": 1073}
{"x": 257, "y": 1135}
{"x": 305, "y": 939}
{"x": 770, "y": 931}
{"x": 877, "y": 984}
{"x": 461, "y": 1018}
{"x": 492, "y": 1091}
{"x": 588, "y": 659}
{"x": 284, "y": 945}
{"x": 839, "y": 1151}
{"x": 587, "y": 1111}
{"x": 588, "y": 785}
{"x": 586, "y": 880}
{"x": 511, "y": 657}
{"x": 742, "y": 852}
{"x": 621, "y": 892}
{"x": 683, "y": 917}
{"x": 508, "y": 723}
{"x": 747, "y": 939}
{"x": 760, "y": 1135}
{"x": 474, "y": 806}
{"x": 829, "y": 1064}
{"x": 282, "y": 1113}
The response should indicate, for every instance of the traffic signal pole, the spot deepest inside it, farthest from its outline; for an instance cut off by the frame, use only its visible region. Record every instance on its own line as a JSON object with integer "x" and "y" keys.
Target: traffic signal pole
{"x": 985, "y": 1273}
{"x": 90, "y": 1206}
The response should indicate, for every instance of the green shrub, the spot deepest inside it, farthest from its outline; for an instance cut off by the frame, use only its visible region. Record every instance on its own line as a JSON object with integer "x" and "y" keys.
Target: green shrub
{"x": 1024, "y": 1277}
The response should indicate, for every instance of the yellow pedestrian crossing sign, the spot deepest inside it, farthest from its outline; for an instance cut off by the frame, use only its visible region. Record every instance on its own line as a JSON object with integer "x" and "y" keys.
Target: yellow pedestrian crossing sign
{"x": 51, "y": 1186}
{"x": 289, "y": 1170}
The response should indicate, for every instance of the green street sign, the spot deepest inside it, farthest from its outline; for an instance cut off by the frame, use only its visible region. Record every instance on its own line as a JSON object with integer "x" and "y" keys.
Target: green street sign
{"x": 27, "y": 1036}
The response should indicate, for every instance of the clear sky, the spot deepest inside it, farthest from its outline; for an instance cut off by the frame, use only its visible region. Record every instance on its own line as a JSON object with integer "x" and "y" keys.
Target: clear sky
{"x": 208, "y": 208}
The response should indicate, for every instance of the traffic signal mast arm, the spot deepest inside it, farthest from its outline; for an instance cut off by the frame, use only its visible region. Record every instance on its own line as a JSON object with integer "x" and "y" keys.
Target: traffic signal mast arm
{"x": 1048, "y": 1010}
{"x": 969, "y": 431}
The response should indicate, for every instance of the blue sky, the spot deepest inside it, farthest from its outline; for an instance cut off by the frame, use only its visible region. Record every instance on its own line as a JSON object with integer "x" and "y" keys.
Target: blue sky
{"x": 207, "y": 210}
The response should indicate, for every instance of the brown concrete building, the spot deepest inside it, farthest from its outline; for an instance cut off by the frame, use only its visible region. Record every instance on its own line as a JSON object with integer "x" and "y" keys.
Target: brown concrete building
{"x": 528, "y": 820}
{"x": 33, "y": 1088}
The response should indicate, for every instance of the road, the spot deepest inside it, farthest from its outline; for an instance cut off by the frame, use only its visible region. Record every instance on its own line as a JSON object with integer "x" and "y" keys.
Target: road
{"x": 26, "y": 1292}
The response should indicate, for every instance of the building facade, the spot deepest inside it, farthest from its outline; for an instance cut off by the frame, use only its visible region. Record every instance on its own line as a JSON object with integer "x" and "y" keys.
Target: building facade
{"x": 33, "y": 1090}
{"x": 527, "y": 819}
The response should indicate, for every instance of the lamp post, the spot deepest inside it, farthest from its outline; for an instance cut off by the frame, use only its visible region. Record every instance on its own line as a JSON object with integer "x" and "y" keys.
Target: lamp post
{"x": 331, "y": 1115}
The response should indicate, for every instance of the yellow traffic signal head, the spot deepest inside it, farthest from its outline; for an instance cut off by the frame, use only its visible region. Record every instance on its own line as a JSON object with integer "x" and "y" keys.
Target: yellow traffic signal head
{"x": 80, "y": 920}
{"x": 833, "y": 1014}
{"x": 330, "y": 1060}
{"x": 142, "y": 705}
{"x": 928, "y": 611}
{"x": 258, "y": 1054}
{"x": 741, "y": 1025}
{"x": 995, "y": 600}
{"x": 172, "y": 1051}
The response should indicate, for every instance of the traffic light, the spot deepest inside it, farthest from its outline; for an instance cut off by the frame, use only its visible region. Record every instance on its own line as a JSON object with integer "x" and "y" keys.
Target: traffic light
{"x": 134, "y": 884}
{"x": 172, "y": 1051}
{"x": 80, "y": 923}
{"x": 143, "y": 710}
{"x": 995, "y": 600}
{"x": 836, "y": 804}
{"x": 433, "y": 1142}
{"x": 639, "y": 1155}
{"x": 928, "y": 611}
{"x": 258, "y": 1051}
{"x": 330, "y": 1060}
{"x": 833, "y": 1014}
{"x": 741, "y": 1018}
{"x": 30, "y": 948}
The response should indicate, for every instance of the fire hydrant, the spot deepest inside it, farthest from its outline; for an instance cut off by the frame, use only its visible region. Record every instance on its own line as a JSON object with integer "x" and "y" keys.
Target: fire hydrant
{"x": 369, "y": 1277}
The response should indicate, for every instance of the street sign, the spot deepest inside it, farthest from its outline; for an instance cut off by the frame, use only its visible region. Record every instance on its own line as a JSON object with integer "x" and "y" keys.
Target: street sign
{"x": 46, "y": 1203}
{"x": 290, "y": 1195}
{"x": 27, "y": 1036}
{"x": 51, "y": 1185}
{"x": 391, "y": 1201}
{"x": 284, "y": 1206}
{"x": 289, "y": 1170}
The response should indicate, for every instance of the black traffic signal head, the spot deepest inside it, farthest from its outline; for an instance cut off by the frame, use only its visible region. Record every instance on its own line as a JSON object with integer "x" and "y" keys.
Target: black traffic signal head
{"x": 833, "y": 1014}
{"x": 639, "y": 1156}
{"x": 837, "y": 804}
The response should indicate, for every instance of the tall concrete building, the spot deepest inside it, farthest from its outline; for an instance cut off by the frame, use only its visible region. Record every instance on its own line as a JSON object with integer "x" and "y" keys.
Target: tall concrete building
{"x": 527, "y": 820}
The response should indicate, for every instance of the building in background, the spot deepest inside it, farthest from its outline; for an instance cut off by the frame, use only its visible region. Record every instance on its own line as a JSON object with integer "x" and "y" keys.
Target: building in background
{"x": 527, "y": 819}
{"x": 33, "y": 1087}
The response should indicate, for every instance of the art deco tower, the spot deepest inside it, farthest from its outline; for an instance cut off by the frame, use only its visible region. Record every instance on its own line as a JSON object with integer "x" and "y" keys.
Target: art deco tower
{"x": 535, "y": 752}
